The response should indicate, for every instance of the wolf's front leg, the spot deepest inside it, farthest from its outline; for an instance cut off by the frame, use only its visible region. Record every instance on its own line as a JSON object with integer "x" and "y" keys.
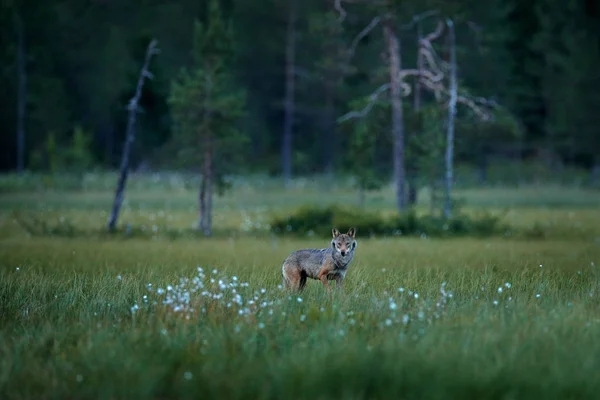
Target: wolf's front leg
{"x": 339, "y": 282}
{"x": 323, "y": 278}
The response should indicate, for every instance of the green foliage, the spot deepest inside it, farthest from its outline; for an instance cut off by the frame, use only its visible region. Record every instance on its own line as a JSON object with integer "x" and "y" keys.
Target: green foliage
{"x": 537, "y": 58}
{"x": 568, "y": 44}
{"x": 206, "y": 104}
{"x": 46, "y": 156}
{"x": 74, "y": 156}
{"x": 426, "y": 149}
{"x": 365, "y": 137}
{"x": 79, "y": 155}
{"x": 362, "y": 155}
{"x": 320, "y": 220}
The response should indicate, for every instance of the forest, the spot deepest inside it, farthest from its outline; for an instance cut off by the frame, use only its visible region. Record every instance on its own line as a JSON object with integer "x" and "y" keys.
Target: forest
{"x": 70, "y": 68}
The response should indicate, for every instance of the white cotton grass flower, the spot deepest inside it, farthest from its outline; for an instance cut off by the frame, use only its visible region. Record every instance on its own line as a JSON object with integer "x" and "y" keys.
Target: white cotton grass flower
{"x": 253, "y": 308}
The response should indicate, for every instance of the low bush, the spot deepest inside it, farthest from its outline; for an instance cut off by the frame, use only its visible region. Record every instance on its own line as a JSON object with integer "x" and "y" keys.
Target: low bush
{"x": 319, "y": 221}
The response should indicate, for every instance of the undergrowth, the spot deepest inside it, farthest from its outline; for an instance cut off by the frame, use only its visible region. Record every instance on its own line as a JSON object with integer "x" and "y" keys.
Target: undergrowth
{"x": 319, "y": 221}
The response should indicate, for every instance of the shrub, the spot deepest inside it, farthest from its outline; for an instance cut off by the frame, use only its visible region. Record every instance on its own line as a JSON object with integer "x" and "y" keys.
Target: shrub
{"x": 319, "y": 221}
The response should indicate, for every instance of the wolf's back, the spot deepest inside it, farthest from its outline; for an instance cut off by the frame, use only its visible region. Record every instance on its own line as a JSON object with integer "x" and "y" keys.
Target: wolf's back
{"x": 308, "y": 260}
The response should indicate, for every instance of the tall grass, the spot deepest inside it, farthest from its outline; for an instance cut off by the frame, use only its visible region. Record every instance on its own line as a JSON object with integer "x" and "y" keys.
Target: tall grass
{"x": 459, "y": 318}
{"x": 156, "y": 316}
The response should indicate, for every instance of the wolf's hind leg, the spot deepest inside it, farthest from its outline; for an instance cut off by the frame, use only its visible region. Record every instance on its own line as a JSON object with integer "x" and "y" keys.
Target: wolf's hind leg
{"x": 302, "y": 280}
{"x": 292, "y": 277}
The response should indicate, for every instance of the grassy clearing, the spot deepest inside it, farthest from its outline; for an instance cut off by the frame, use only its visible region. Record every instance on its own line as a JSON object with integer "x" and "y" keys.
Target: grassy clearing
{"x": 75, "y": 322}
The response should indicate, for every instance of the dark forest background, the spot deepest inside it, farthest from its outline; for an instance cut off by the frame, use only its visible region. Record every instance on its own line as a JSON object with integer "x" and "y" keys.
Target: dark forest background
{"x": 76, "y": 65}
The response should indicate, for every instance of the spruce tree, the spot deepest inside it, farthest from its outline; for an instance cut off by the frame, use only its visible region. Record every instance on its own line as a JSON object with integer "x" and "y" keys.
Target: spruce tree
{"x": 206, "y": 106}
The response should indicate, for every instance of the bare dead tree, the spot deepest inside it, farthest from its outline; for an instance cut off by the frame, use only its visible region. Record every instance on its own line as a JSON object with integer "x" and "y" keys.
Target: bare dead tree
{"x": 130, "y": 136}
{"x": 430, "y": 74}
{"x": 289, "y": 104}
{"x": 431, "y": 77}
{"x": 21, "y": 92}
{"x": 449, "y": 159}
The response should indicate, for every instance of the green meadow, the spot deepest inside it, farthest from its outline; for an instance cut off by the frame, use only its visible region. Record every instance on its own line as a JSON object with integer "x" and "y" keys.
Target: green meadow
{"x": 156, "y": 311}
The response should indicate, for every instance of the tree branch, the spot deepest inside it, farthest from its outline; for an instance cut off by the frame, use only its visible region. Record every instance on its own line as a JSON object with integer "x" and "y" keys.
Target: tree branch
{"x": 477, "y": 30}
{"x": 435, "y": 34}
{"x": 362, "y": 113}
{"x": 338, "y": 6}
{"x": 362, "y": 34}
{"x": 418, "y": 18}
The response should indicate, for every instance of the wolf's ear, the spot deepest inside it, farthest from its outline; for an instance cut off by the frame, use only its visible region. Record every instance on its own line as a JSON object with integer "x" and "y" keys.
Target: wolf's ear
{"x": 351, "y": 232}
{"x": 335, "y": 232}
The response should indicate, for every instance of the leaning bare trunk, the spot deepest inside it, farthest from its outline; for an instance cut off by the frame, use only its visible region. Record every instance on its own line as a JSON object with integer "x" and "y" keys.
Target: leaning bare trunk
{"x": 290, "y": 53}
{"x": 130, "y": 137}
{"x": 451, "y": 115}
{"x": 397, "y": 115}
{"x": 21, "y": 93}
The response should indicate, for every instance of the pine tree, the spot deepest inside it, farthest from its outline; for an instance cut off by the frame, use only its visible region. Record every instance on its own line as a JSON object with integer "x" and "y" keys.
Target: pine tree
{"x": 206, "y": 106}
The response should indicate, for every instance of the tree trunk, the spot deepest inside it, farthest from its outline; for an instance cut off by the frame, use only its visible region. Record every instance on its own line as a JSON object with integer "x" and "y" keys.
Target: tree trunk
{"x": 449, "y": 159}
{"x": 595, "y": 175}
{"x": 21, "y": 93}
{"x": 109, "y": 134}
{"x": 412, "y": 180}
{"x": 205, "y": 221}
{"x": 393, "y": 45}
{"x": 361, "y": 196}
{"x": 290, "y": 53}
{"x": 483, "y": 166}
{"x": 329, "y": 138}
{"x": 202, "y": 202}
{"x": 129, "y": 138}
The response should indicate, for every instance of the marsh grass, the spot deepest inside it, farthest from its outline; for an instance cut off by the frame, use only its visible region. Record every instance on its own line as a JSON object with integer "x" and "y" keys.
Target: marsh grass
{"x": 93, "y": 316}
{"x": 68, "y": 329}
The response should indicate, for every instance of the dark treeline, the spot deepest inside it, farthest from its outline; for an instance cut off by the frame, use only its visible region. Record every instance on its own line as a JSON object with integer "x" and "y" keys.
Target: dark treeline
{"x": 68, "y": 69}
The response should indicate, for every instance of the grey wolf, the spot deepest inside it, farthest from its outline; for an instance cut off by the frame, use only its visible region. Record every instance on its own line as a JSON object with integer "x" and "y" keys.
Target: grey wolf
{"x": 326, "y": 264}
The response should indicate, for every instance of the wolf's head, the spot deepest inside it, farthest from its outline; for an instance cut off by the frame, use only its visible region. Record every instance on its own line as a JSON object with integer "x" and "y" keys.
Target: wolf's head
{"x": 343, "y": 243}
